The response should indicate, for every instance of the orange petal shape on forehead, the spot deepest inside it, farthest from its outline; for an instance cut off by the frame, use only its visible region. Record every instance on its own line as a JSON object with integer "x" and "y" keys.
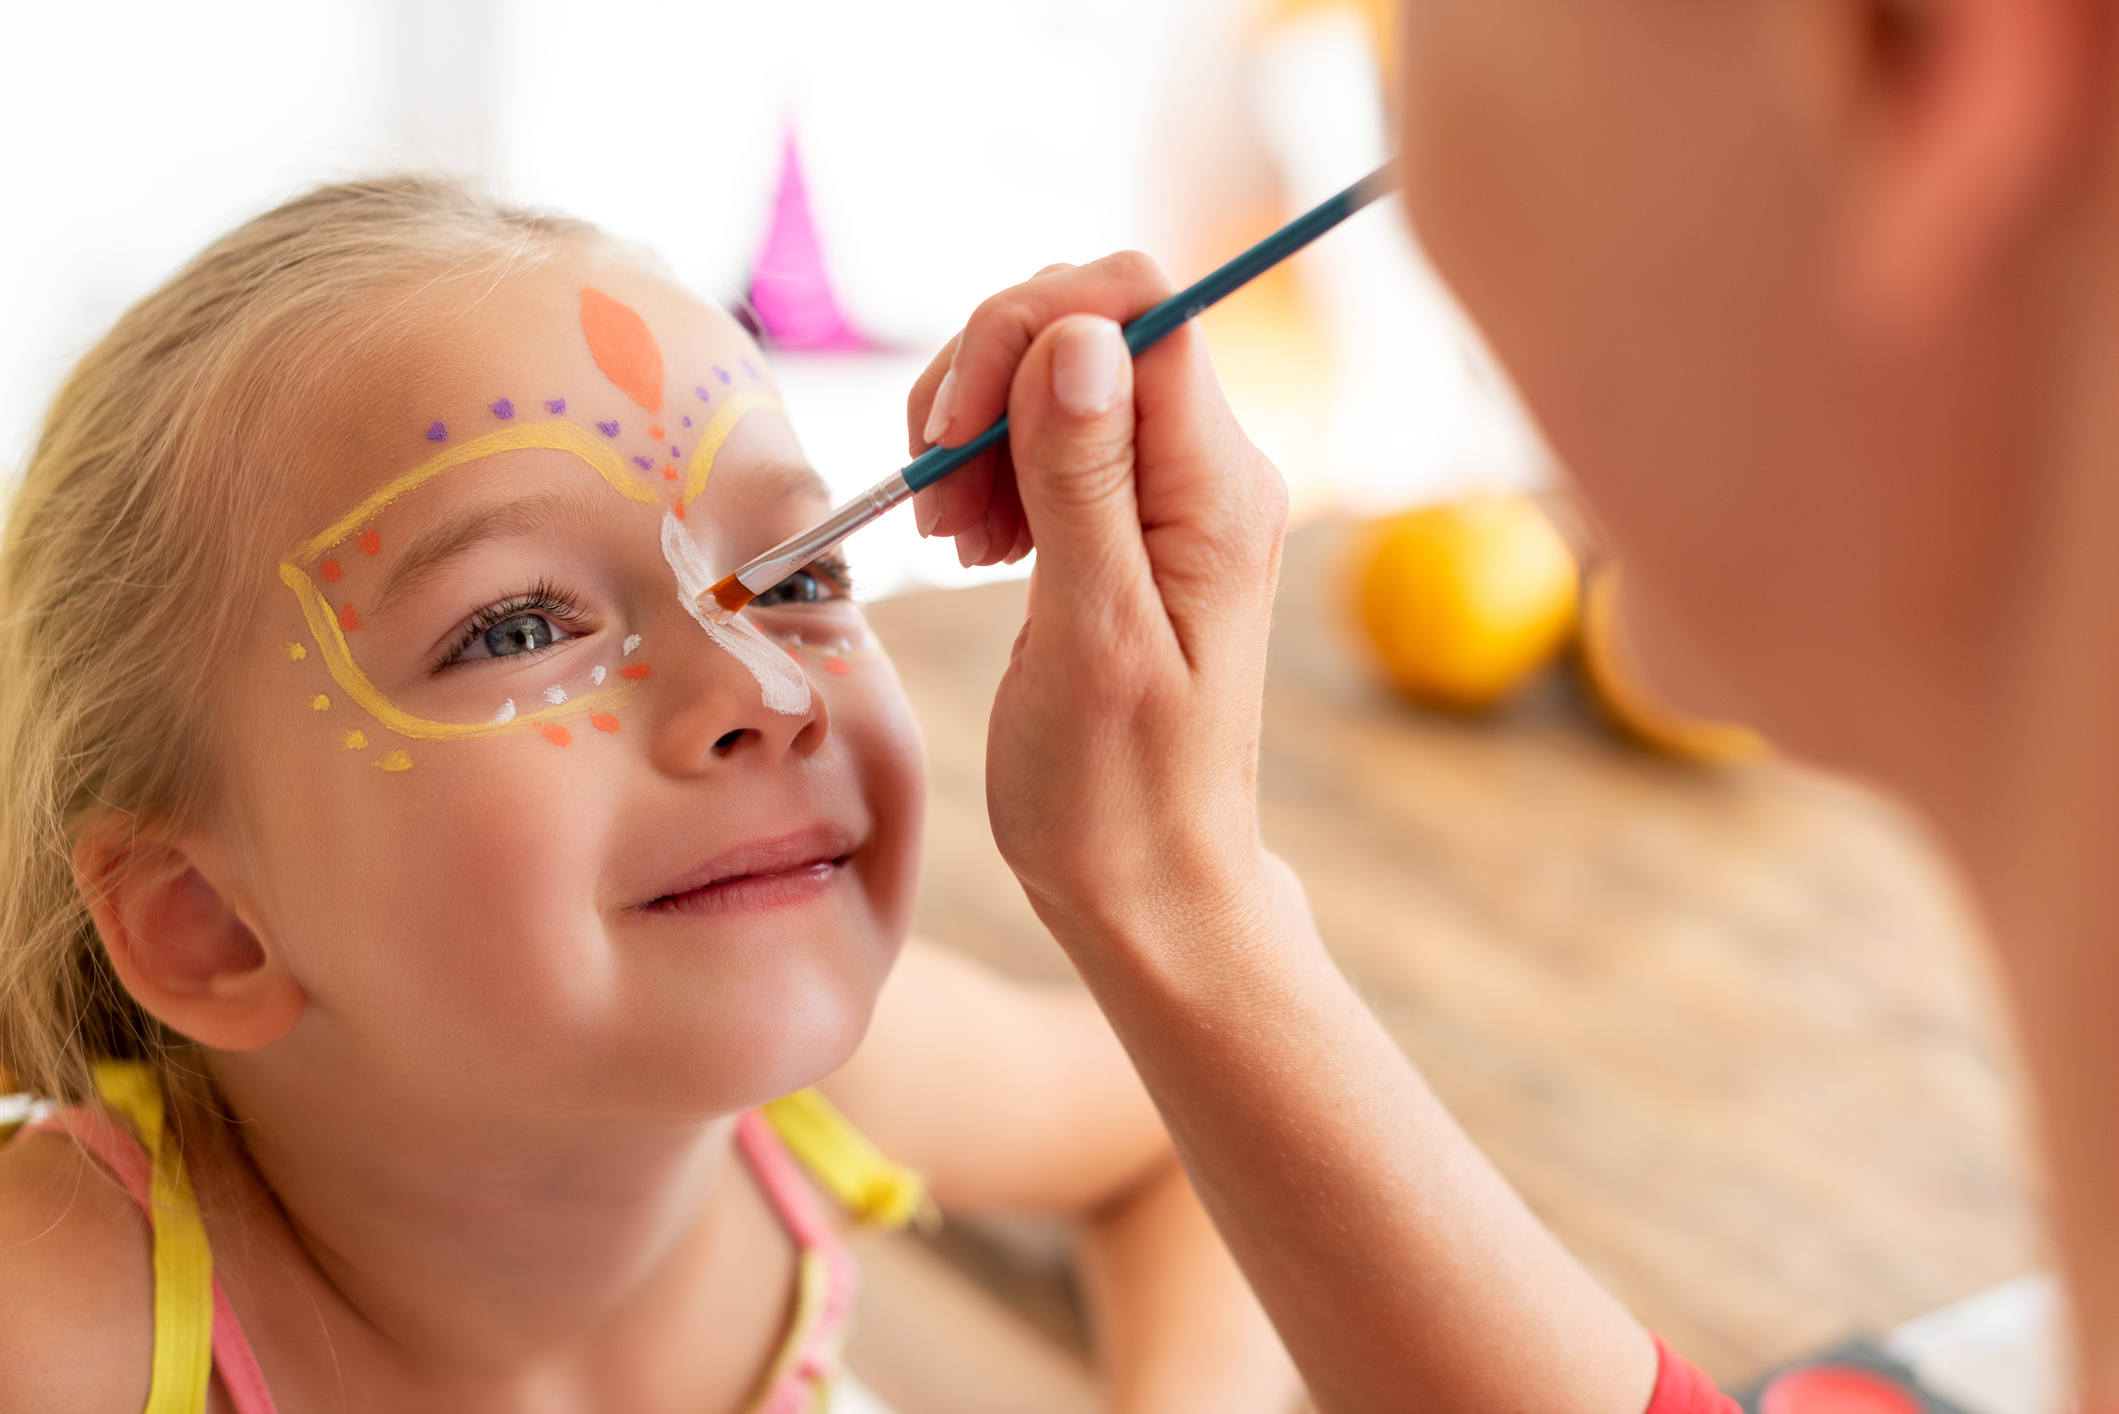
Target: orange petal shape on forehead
{"x": 624, "y": 348}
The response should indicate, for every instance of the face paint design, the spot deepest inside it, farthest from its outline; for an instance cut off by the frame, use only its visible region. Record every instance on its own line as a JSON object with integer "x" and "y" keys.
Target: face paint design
{"x": 623, "y": 347}
{"x": 784, "y": 686}
{"x": 625, "y": 351}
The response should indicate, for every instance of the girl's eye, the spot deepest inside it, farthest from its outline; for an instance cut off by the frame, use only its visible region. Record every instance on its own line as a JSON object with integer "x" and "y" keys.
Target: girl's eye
{"x": 821, "y": 581}
{"x": 527, "y": 623}
{"x": 519, "y": 633}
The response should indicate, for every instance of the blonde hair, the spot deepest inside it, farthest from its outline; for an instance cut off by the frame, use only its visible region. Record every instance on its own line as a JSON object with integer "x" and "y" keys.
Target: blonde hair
{"x": 130, "y": 566}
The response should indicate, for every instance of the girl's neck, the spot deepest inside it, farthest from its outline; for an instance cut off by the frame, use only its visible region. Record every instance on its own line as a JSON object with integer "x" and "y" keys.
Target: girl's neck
{"x": 414, "y": 1253}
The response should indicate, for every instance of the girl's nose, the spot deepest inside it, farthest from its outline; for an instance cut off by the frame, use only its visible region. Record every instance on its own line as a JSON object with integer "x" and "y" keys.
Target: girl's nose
{"x": 717, "y": 713}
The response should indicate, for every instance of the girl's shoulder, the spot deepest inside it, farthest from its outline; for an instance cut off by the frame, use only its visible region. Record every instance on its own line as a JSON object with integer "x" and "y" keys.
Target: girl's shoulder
{"x": 76, "y": 1280}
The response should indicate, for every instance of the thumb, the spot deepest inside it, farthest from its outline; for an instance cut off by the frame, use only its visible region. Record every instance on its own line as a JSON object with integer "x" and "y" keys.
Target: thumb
{"x": 1071, "y": 441}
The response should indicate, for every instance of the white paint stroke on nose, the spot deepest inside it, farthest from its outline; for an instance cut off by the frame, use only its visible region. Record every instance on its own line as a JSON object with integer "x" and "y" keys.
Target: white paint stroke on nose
{"x": 781, "y": 682}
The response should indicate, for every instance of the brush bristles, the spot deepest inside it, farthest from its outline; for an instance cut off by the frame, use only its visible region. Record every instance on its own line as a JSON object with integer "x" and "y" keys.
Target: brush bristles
{"x": 731, "y": 596}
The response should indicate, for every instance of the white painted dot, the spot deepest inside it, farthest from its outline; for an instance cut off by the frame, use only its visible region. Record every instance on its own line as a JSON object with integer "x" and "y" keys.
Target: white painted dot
{"x": 596, "y": 675}
{"x": 555, "y": 694}
{"x": 632, "y": 641}
{"x": 506, "y": 712}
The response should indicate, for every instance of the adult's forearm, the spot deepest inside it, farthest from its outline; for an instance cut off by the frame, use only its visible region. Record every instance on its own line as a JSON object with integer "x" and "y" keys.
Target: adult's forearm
{"x": 1399, "y": 1267}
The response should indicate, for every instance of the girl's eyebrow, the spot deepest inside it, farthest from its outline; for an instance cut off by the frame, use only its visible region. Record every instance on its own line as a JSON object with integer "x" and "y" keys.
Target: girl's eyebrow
{"x": 544, "y": 512}
{"x": 793, "y": 478}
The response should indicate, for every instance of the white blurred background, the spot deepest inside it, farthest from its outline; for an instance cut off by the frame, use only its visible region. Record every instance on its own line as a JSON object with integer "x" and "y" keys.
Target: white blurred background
{"x": 942, "y": 149}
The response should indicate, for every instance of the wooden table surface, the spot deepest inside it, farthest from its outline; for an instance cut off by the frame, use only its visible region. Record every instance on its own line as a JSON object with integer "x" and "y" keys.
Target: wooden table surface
{"x": 1727, "y": 1031}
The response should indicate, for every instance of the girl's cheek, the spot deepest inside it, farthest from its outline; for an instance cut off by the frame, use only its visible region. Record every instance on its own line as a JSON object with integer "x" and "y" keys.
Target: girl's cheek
{"x": 831, "y": 644}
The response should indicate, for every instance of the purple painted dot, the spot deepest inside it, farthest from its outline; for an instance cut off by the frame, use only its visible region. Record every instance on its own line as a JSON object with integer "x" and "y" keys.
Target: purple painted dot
{"x": 502, "y": 409}
{"x": 721, "y": 373}
{"x": 675, "y": 453}
{"x": 748, "y": 369}
{"x": 555, "y": 406}
{"x": 437, "y": 433}
{"x": 644, "y": 463}
{"x": 703, "y": 396}
{"x": 687, "y": 422}
{"x": 608, "y": 429}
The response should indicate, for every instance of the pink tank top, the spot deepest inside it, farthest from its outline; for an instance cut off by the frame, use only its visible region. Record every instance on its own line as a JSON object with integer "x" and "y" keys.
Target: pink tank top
{"x": 801, "y": 1373}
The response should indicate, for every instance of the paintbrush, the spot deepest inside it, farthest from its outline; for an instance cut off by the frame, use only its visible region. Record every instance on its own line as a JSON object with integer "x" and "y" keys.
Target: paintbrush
{"x": 796, "y": 552}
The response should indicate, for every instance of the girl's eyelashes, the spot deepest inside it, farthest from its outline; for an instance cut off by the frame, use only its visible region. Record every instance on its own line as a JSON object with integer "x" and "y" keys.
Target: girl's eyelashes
{"x": 515, "y": 627}
{"x": 821, "y": 580}
{"x": 546, "y": 615}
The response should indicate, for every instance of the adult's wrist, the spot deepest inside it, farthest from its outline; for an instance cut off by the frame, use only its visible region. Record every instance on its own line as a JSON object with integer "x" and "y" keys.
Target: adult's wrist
{"x": 1183, "y": 919}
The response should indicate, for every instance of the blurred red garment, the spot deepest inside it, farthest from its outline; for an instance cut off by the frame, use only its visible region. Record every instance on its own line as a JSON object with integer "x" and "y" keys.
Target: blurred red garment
{"x": 1681, "y": 1388}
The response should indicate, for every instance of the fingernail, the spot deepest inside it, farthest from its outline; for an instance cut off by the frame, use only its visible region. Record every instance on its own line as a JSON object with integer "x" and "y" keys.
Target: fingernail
{"x": 1085, "y": 366}
{"x": 942, "y": 410}
{"x": 928, "y": 512}
{"x": 971, "y": 545}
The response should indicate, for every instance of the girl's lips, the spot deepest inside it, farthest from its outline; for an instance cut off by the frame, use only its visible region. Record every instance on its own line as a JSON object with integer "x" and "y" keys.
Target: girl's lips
{"x": 754, "y": 892}
{"x": 765, "y": 874}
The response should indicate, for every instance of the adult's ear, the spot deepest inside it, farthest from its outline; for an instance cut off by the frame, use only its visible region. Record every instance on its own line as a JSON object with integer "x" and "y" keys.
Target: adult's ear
{"x": 1973, "y": 110}
{"x": 177, "y": 939}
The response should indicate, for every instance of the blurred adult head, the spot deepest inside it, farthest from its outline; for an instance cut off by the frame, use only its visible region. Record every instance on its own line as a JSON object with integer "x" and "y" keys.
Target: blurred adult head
{"x": 1819, "y": 302}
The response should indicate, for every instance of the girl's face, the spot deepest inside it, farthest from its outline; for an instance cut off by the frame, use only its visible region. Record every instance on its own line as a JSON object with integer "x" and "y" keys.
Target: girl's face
{"x": 518, "y": 824}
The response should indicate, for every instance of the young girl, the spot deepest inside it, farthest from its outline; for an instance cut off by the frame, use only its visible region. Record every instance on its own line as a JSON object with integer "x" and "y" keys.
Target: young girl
{"x": 411, "y": 901}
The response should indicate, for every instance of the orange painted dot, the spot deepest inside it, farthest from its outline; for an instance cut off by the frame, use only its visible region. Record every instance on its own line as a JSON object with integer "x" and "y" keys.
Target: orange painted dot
{"x": 603, "y": 721}
{"x": 795, "y": 653}
{"x": 638, "y": 672}
{"x": 669, "y": 473}
{"x": 654, "y": 430}
{"x": 623, "y": 347}
{"x": 677, "y": 506}
{"x": 837, "y": 665}
{"x": 349, "y": 618}
{"x": 556, "y": 734}
{"x": 370, "y": 542}
{"x": 330, "y": 571}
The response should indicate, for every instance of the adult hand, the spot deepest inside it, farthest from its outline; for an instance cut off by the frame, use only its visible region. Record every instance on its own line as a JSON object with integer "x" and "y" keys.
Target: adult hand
{"x": 1121, "y": 765}
{"x": 1121, "y": 776}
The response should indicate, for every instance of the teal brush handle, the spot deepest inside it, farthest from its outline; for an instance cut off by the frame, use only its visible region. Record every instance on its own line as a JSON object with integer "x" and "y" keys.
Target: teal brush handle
{"x": 935, "y": 463}
{"x": 1181, "y": 308}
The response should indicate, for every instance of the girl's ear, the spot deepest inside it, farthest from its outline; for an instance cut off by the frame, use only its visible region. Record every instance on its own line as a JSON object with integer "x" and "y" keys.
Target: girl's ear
{"x": 1979, "y": 105}
{"x": 176, "y": 937}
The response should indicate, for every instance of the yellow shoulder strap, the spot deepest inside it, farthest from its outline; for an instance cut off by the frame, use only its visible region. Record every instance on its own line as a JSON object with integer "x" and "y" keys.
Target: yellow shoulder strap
{"x": 183, "y": 1263}
{"x": 856, "y": 1172}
